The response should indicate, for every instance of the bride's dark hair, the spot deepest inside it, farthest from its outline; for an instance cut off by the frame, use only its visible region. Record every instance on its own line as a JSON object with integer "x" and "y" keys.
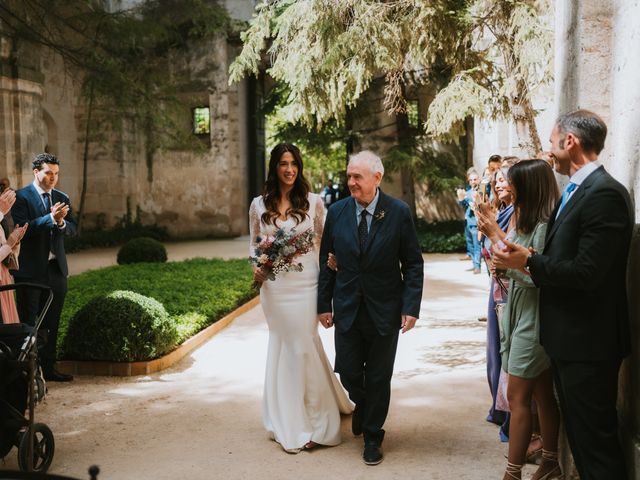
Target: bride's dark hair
{"x": 298, "y": 194}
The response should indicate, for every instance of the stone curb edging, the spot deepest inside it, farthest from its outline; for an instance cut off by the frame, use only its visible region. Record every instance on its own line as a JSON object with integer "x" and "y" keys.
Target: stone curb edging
{"x": 129, "y": 369}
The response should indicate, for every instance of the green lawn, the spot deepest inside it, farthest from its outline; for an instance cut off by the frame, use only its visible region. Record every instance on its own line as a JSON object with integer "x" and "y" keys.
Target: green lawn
{"x": 194, "y": 292}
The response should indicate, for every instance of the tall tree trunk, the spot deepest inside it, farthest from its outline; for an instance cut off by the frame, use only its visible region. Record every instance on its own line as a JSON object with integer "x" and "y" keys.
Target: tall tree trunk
{"x": 524, "y": 118}
{"x": 85, "y": 158}
{"x": 406, "y": 139}
{"x": 348, "y": 126}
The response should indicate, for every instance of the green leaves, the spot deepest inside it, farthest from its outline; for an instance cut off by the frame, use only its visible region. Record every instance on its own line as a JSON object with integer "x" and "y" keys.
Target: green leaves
{"x": 461, "y": 98}
{"x": 495, "y": 53}
{"x": 195, "y": 293}
{"x": 120, "y": 326}
{"x": 142, "y": 249}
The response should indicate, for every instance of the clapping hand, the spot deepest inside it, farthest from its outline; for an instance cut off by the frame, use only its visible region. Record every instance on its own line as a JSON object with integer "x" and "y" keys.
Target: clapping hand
{"x": 7, "y": 199}
{"x": 59, "y": 211}
{"x": 511, "y": 255}
{"x": 16, "y": 236}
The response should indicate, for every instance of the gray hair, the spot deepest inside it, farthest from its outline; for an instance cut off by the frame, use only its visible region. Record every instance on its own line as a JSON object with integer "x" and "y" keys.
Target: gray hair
{"x": 371, "y": 159}
{"x": 587, "y": 126}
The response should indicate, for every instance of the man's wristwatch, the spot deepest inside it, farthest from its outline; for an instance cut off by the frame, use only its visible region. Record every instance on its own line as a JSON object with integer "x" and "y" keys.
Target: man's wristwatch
{"x": 528, "y": 264}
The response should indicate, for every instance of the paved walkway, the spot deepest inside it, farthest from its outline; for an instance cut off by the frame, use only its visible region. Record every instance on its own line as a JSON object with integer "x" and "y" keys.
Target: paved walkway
{"x": 202, "y": 419}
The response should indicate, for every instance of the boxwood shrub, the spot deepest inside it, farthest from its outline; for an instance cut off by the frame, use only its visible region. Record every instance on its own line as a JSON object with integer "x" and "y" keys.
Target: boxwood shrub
{"x": 110, "y": 238}
{"x": 121, "y": 326}
{"x": 195, "y": 293}
{"x": 140, "y": 250}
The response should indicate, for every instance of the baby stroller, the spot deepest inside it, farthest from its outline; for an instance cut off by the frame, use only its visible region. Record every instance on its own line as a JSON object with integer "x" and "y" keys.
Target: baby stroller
{"x": 21, "y": 387}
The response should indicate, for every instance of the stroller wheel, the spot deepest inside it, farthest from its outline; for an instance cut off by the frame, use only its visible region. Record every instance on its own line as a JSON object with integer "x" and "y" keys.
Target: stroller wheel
{"x": 43, "y": 448}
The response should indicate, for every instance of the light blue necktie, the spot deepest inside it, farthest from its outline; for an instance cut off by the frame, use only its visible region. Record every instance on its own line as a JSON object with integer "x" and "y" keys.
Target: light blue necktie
{"x": 566, "y": 194}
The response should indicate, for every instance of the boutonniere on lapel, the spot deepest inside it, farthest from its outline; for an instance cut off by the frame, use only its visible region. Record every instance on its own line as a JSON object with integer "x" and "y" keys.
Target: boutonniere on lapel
{"x": 379, "y": 216}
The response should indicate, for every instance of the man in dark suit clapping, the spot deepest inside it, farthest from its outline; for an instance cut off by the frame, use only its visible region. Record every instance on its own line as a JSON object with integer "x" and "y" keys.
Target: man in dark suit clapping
{"x": 375, "y": 292}
{"x": 584, "y": 321}
{"x": 42, "y": 257}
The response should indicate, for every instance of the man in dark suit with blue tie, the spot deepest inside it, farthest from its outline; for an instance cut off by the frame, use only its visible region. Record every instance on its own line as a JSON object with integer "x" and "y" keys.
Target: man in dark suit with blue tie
{"x": 42, "y": 257}
{"x": 584, "y": 317}
{"x": 376, "y": 291}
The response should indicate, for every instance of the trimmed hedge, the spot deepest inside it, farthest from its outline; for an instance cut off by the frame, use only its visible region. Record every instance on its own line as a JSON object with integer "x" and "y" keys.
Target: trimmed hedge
{"x": 195, "y": 293}
{"x": 441, "y": 237}
{"x": 121, "y": 326}
{"x": 110, "y": 238}
{"x": 140, "y": 250}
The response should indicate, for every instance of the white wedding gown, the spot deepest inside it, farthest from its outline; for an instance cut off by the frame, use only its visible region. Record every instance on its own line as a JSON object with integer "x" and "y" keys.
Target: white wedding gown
{"x": 303, "y": 398}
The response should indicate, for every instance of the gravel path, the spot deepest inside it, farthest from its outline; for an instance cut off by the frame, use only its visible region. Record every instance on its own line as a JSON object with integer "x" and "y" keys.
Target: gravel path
{"x": 201, "y": 419}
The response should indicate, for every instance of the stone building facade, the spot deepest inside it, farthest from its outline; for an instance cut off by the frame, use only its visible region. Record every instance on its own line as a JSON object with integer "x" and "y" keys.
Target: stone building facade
{"x": 192, "y": 194}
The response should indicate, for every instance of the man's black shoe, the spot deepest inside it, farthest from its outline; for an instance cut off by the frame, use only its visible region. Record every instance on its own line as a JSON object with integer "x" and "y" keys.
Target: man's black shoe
{"x": 356, "y": 420}
{"x": 56, "y": 376}
{"x": 372, "y": 454}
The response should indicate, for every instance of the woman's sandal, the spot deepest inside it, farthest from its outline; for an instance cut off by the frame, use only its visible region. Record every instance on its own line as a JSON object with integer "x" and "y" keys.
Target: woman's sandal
{"x": 534, "y": 453}
{"x": 310, "y": 445}
{"x": 514, "y": 471}
{"x": 549, "y": 467}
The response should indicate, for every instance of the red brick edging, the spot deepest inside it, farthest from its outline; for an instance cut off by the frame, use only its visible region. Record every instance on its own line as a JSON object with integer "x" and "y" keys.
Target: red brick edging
{"x": 128, "y": 369}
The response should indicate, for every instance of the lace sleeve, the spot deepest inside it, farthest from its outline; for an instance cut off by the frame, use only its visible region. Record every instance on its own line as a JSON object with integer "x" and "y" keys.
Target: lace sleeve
{"x": 254, "y": 225}
{"x": 318, "y": 221}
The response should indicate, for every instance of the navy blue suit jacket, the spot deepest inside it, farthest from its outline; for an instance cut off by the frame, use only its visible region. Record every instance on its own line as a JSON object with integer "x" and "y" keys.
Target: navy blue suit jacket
{"x": 387, "y": 276}
{"x": 34, "y": 248}
{"x": 582, "y": 273}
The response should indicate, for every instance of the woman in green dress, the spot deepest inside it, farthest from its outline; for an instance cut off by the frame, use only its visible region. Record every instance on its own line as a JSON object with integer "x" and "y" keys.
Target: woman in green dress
{"x": 523, "y": 358}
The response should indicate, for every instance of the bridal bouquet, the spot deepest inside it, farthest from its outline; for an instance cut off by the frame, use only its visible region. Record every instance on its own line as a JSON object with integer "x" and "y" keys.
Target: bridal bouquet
{"x": 276, "y": 254}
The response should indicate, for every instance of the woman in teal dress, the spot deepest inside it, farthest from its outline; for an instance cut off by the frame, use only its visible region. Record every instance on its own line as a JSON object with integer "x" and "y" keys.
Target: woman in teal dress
{"x": 523, "y": 358}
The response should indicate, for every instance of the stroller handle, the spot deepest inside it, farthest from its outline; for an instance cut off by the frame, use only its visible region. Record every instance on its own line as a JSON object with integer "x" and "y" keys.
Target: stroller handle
{"x": 16, "y": 286}
{"x": 44, "y": 288}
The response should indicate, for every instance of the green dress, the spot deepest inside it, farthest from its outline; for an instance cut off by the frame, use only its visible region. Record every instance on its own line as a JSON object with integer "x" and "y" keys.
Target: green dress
{"x": 522, "y": 354}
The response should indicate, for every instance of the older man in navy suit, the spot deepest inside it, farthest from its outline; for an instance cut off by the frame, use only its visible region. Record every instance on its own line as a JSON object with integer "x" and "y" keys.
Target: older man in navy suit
{"x": 42, "y": 257}
{"x": 376, "y": 291}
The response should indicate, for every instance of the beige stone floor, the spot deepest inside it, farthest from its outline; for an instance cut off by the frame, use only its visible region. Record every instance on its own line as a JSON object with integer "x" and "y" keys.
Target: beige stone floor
{"x": 201, "y": 419}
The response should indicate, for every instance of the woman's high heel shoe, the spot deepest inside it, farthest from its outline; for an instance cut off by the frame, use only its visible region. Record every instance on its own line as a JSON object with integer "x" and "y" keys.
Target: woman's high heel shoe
{"x": 549, "y": 467}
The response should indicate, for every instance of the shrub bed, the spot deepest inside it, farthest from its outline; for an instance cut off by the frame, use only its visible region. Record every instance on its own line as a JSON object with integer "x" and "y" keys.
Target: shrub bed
{"x": 195, "y": 293}
{"x": 441, "y": 237}
{"x": 140, "y": 250}
{"x": 110, "y": 238}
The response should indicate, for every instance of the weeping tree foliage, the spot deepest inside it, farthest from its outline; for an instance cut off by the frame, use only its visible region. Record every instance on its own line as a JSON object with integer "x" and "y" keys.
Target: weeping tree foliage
{"x": 497, "y": 54}
{"x": 120, "y": 59}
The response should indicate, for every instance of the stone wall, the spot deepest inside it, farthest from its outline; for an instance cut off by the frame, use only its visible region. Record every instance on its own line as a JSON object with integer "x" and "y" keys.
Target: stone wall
{"x": 598, "y": 68}
{"x": 191, "y": 193}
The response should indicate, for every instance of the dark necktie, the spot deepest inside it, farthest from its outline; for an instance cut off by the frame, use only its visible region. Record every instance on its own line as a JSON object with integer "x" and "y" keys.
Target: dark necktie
{"x": 47, "y": 201}
{"x": 363, "y": 230}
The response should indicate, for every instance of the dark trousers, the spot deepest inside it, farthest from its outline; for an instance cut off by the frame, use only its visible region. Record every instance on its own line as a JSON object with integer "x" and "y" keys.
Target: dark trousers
{"x": 588, "y": 392}
{"x": 30, "y": 303}
{"x": 364, "y": 360}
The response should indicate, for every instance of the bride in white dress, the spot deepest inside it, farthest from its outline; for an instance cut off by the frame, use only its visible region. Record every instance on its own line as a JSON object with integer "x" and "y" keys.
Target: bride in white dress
{"x": 303, "y": 398}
